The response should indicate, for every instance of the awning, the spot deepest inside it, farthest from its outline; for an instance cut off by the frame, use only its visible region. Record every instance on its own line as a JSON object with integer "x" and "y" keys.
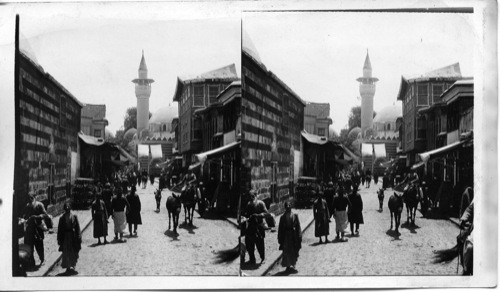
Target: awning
{"x": 440, "y": 151}
{"x": 142, "y": 150}
{"x": 379, "y": 150}
{"x": 314, "y": 139}
{"x": 349, "y": 153}
{"x": 202, "y": 157}
{"x": 194, "y": 166}
{"x": 366, "y": 149}
{"x": 91, "y": 140}
{"x": 417, "y": 165}
{"x": 156, "y": 151}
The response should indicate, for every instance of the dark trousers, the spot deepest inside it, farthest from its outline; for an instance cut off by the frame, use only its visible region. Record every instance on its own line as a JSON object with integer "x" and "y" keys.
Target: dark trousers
{"x": 352, "y": 226}
{"x": 251, "y": 242}
{"x": 38, "y": 246}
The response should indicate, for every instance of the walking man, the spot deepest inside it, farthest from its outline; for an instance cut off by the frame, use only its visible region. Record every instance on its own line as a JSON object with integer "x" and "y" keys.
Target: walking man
{"x": 255, "y": 212}
{"x": 35, "y": 213}
{"x": 321, "y": 219}
{"x": 340, "y": 203}
{"x": 289, "y": 238}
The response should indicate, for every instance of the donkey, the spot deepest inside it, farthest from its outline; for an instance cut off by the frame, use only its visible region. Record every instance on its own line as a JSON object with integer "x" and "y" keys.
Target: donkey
{"x": 411, "y": 198}
{"x": 189, "y": 198}
{"x": 395, "y": 205}
{"x": 173, "y": 207}
{"x": 380, "y": 194}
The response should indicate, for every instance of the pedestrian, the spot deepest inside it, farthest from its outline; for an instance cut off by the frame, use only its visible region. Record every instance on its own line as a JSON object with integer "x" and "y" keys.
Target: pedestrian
{"x": 321, "y": 218}
{"x": 289, "y": 238}
{"x": 134, "y": 213}
{"x": 107, "y": 196}
{"x": 355, "y": 214}
{"x": 340, "y": 203}
{"x": 118, "y": 206}
{"x": 69, "y": 239}
{"x": 100, "y": 218}
{"x": 368, "y": 178}
{"x": 255, "y": 212}
{"x": 34, "y": 214}
{"x": 329, "y": 195}
{"x": 363, "y": 178}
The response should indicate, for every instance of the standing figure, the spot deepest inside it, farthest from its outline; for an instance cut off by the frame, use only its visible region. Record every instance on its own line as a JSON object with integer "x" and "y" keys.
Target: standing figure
{"x": 355, "y": 214}
{"x": 107, "y": 196}
{"x": 255, "y": 212}
{"x": 329, "y": 195}
{"x": 321, "y": 219}
{"x": 289, "y": 238}
{"x": 158, "y": 200}
{"x": 69, "y": 239}
{"x": 100, "y": 218}
{"x": 118, "y": 206}
{"x": 134, "y": 211}
{"x": 363, "y": 178}
{"x": 368, "y": 178}
{"x": 35, "y": 213}
{"x": 340, "y": 203}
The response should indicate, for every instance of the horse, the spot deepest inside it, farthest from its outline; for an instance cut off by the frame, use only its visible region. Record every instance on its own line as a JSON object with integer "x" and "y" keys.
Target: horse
{"x": 173, "y": 205}
{"x": 411, "y": 198}
{"x": 380, "y": 194}
{"x": 189, "y": 198}
{"x": 395, "y": 205}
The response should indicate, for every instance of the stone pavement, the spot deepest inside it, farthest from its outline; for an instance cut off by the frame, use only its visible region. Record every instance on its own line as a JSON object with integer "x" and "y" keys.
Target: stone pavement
{"x": 157, "y": 250}
{"x": 377, "y": 250}
{"x": 273, "y": 254}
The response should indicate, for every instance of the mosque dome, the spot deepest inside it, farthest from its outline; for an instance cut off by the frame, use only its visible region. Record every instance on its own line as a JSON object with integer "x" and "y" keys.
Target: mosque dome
{"x": 164, "y": 115}
{"x": 130, "y": 133}
{"x": 388, "y": 114}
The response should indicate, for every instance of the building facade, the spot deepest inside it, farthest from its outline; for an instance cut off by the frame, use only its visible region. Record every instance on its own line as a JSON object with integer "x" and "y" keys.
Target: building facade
{"x": 272, "y": 118}
{"x": 317, "y": 119}
{"x": 196, "y": 93}
{"x": 416, "y": 94}
{"x": 47, "y": 122}
{"x": 94, "y": 120}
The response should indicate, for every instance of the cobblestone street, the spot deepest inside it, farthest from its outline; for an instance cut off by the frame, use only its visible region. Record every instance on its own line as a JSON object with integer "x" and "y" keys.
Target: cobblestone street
{"x": 156, "y": 251}
{"x": 377, "y": 251}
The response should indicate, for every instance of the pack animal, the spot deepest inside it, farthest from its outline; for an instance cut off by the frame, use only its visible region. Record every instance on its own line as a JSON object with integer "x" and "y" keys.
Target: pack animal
{"x": 174, "y": 209}
{"x": 189, "y": 198}
{"x": 411, "y": 198}
{"x": 380, "y": 194}
{"x": 395, "y": 205}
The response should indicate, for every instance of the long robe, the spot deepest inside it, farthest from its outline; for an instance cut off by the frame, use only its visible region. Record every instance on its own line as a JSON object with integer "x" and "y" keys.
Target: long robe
{"x": 341, "y": 203}
{"x": 321, "y": 216}
{"x": 289, "y": 238}
{"x": 69, "y": 239}
{"x": 100, "y": 217}
{"x": 355, "y": 213}
{"x": 134, "y": 214}
{"x": 118, "y": 206}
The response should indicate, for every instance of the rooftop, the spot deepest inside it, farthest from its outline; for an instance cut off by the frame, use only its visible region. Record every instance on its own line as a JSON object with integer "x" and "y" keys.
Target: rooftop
{"x": 94, "y": 111}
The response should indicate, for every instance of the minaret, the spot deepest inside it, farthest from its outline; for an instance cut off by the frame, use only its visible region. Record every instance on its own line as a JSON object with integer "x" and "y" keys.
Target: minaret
{"x": 142, "y": 92}
{"x": 367, "y": 91}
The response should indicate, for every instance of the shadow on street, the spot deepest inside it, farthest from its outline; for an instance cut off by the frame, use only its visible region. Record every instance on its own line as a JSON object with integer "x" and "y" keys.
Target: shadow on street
{"x": 392, "y": 233}
{"x": 188, "y": 227}
{"x": 409, "y": 226}
{"x": 172, "y": 234}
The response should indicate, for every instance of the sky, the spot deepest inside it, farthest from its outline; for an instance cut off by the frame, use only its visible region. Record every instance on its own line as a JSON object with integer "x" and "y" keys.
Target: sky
{"x": 320, "y": 55}
{"x": 96, "y": 57}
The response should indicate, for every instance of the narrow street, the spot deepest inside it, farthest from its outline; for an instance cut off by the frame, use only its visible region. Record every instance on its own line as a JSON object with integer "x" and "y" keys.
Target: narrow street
{"x": 378, "y": 251}
{"x": 156, "y": 251}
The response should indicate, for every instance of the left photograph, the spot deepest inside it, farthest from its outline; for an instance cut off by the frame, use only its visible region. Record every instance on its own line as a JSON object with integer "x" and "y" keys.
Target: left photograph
{"x": 127, "y": 145}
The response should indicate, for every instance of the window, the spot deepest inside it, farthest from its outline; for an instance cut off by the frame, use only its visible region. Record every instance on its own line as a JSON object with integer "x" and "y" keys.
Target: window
{"x": 213, "y": 91}
{"x": 198, "y": 96}
{"x": 422, "y": 95}
{"x": 97, "y": 133}
{"x": 437, "y": 90}
{"x": 421, "y": 128}
{"x": 321, "y": 131}
{"x": 388, "y": 127}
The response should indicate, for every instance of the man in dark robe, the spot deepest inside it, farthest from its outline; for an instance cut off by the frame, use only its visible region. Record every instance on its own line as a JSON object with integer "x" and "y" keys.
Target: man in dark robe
{"x": 321, "y": 219}
{"x": 289, "y": 238}
{"x": 355, "y": 214}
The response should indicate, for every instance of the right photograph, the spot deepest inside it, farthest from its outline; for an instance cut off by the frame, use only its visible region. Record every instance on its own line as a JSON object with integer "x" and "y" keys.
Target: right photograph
{"x": 357, "y": 143}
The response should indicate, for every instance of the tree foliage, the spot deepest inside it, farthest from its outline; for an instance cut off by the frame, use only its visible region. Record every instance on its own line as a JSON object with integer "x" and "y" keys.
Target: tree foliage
{"x": 130, "y": 120}
{"x": 355, "y": 117}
